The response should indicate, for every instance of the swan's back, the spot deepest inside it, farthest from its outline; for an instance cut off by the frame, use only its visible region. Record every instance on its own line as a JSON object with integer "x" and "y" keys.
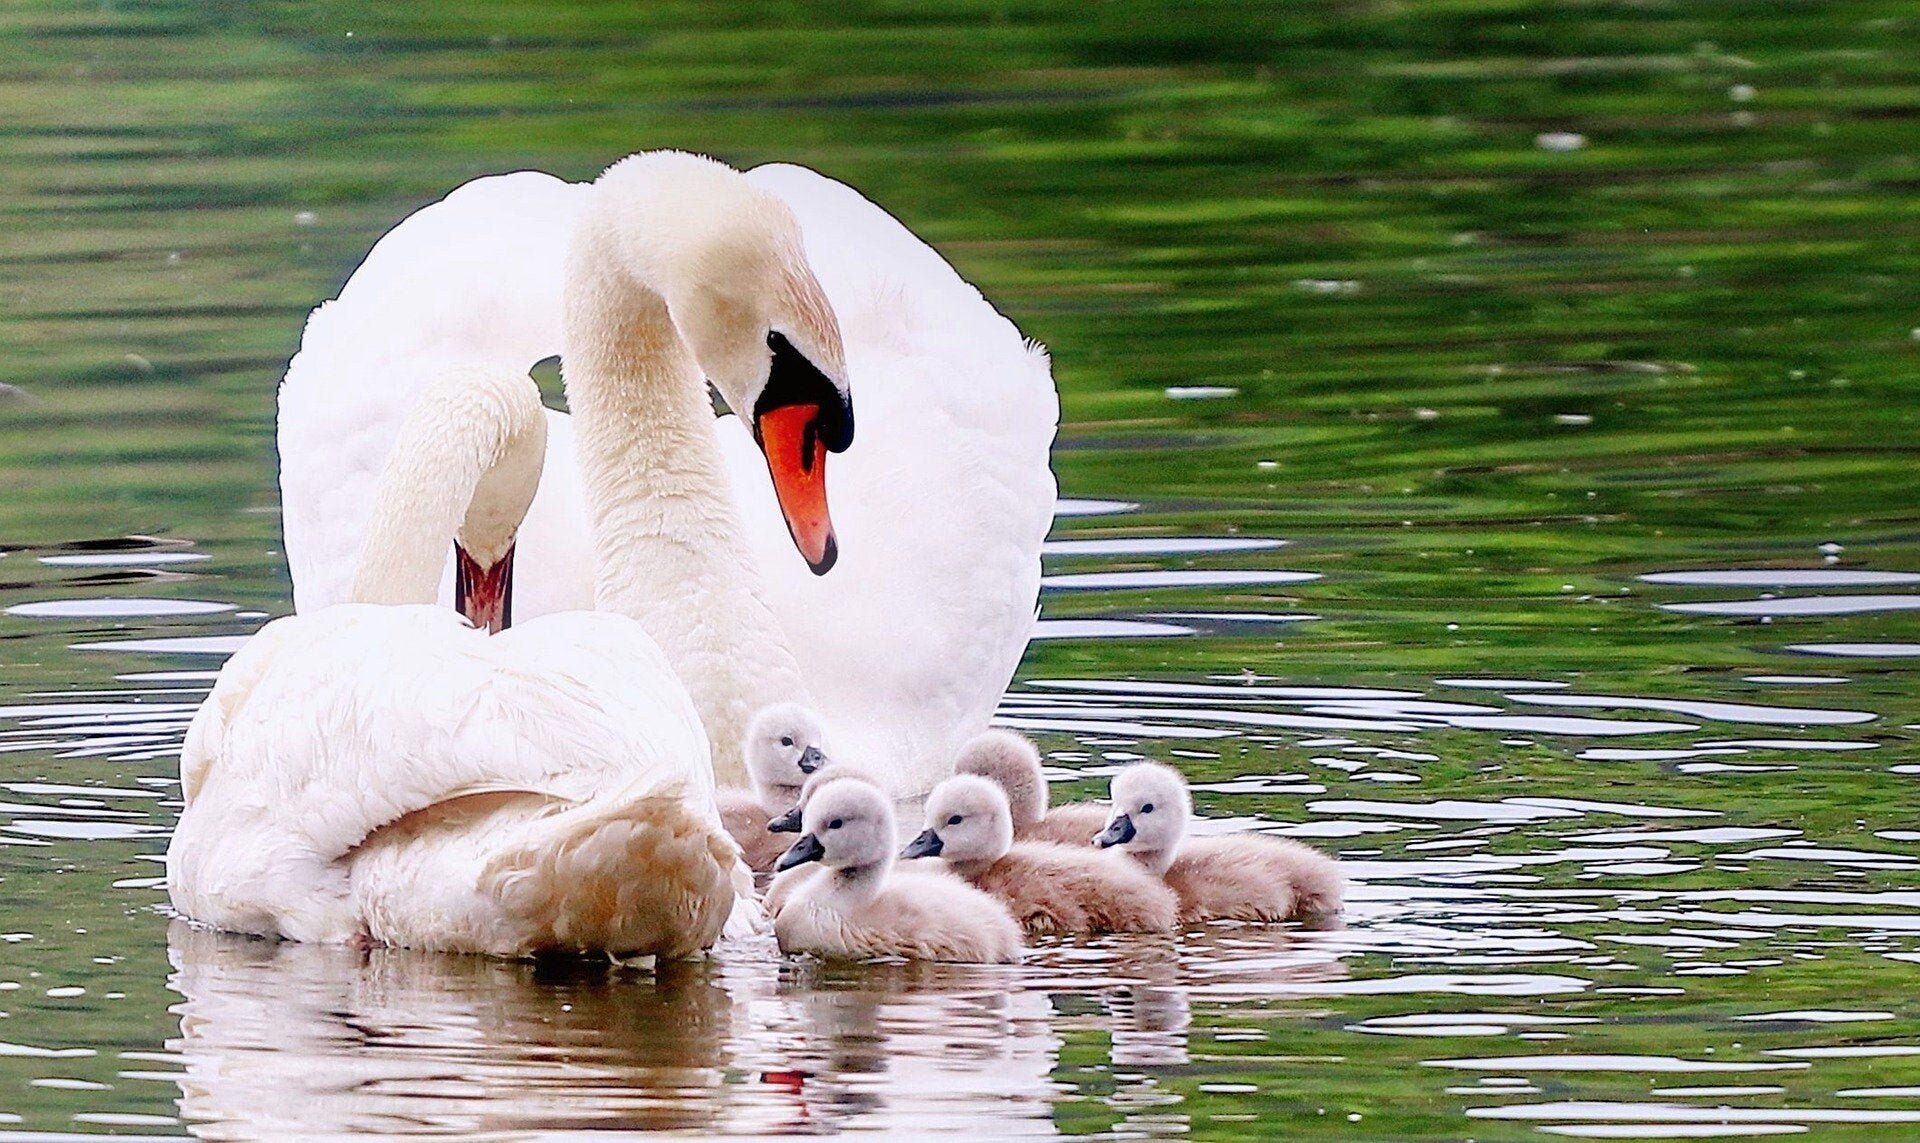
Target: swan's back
{"x": 940, "y": 505}
{"x": 355, "y": 717}
{"x": 476, "y": 277}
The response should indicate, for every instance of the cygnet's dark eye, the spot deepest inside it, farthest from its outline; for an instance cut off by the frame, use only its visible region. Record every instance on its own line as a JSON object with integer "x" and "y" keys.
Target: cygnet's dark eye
{"x": 954, "y": 820}
{"x": 1147, "y": 809}
{"x": 786, "y": 740}
{"x": 834, "y": 824}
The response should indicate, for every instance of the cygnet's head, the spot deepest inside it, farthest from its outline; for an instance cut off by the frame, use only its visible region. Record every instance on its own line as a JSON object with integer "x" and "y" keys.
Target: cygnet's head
{"x": 1151, "y": 806}
{"x": 728, "y": 259}
{"x": 1012, "y": 762}
{"x": 785, "y": 742}
{"x": 789, "y": 822}
{"x": 848, "y": 824}
{"x": 967, "y": 821}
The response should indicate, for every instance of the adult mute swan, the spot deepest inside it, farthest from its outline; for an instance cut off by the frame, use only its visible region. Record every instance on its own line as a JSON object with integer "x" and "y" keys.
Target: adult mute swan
{"x": 906, "y": 645}
{"x": 379, "y": 770}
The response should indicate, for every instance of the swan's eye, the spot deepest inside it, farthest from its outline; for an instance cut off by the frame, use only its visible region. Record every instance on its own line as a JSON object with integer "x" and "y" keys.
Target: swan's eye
{"x": 1147, "y": 809}
{"x": 954, "y": 820}
{"x": 786, "y": 740}
{"x": 834, "y": 824}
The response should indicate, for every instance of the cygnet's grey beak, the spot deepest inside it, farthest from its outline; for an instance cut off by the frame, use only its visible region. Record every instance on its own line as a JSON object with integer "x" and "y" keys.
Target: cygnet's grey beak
{"x": 808, "y": 848}
{"x": 928, "y": 844}
{"x": 788, "y": 822}
{"x": 811, "y": 759}
{"x": 1119, "y": 831}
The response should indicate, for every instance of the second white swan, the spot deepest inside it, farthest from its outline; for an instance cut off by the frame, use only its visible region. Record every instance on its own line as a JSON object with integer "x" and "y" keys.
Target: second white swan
{"x": 380, "y": 771}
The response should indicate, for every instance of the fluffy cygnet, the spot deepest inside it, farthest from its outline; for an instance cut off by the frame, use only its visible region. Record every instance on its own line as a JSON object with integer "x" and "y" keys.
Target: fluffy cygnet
{"x": 859, "y": 906}
{"x": 789, "y": 822}
{"x": 1049, "y": 888}
{"x": 784, "y": 744}
{"x": 1241, "y": 877}
{"x": 1011, "y": 761}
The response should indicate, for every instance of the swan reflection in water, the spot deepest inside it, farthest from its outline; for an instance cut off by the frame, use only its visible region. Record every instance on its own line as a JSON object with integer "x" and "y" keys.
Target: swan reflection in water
{"x": 283, "y": 1040}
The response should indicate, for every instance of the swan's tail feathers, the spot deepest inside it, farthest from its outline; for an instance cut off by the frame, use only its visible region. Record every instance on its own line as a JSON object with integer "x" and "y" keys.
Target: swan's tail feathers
{"x": 641, "y": 873}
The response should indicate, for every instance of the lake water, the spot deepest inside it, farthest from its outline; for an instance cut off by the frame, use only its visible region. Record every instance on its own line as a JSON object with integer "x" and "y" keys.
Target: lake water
{"x": 1491, "y": 442}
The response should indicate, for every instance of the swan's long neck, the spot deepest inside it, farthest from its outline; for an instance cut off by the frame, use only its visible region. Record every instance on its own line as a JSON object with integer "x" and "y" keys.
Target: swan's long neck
{"x": 667, "y": 537}
{"x": 463, "y": 469}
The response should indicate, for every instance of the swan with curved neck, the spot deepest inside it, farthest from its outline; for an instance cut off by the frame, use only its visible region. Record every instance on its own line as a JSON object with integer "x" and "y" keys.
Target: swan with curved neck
{"x": 389, "y": 773}
{"x": 466, "y": 464}
{"x": 939, "y": 510}
{"x": 683, "y": 273}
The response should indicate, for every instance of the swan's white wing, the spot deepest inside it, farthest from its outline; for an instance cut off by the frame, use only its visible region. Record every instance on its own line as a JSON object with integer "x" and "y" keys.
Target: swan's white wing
{"x": 940, "y": 505}
{"x": 647, "y": 731}
{"x": 474, "y": 277}
{"x": 355, "y": 716}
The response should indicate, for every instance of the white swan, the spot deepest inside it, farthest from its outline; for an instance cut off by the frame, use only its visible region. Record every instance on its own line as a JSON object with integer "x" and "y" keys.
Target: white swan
{"x": 384, "y": 772}
{"x": 940, "y": 508}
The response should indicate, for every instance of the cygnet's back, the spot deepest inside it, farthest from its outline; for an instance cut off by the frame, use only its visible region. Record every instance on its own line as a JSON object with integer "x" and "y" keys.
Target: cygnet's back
{"x": 1252, "y": 877}
{"x": 1048, "y": 888}
{"x": 1012, "y": 762}
{"x": 858, "y": 908}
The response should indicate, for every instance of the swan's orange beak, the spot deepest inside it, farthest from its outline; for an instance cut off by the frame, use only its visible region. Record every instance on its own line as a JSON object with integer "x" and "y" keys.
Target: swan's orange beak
{"x": 797, "y": 460}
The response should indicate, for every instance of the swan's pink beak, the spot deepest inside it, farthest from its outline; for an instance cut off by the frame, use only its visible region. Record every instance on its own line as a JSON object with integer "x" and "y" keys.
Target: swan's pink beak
{"x": 797, "y": 460}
